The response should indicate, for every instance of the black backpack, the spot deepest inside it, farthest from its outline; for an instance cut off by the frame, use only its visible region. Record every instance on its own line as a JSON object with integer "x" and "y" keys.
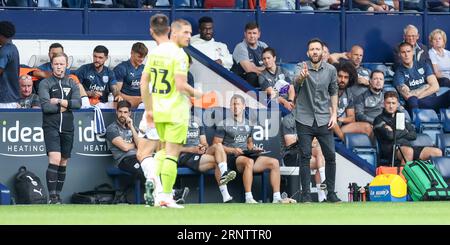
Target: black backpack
{"x": 102, "y": 194}
{"x": 29, "y": 188}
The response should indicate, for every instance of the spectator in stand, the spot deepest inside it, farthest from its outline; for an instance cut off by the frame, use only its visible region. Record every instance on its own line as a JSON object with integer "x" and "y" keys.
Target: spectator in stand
{"x": 328, "y": 4}
{"x": 384, "y": 125}
{"x": 346, "y": 122}
{"x": 420, "y": 51}
{"x": 370, "y": 103}
{"x": 97, "y": 79}
{"x": 9, "y": 67}
{"x": 102, "y": 3}
{"x": 27, "y": 98}
{"x": 128, "y": 74}
{"x": 206, "y": 44}
{"x": 372, "y": 5}
{"x": 50, "y": 3}
{"x": 440, "y": 57}
{"x": 356, "y": 57}
{"x": 416, "y": 82}
{"x": 247, "y": 55}
{"x": 326, "y": 53}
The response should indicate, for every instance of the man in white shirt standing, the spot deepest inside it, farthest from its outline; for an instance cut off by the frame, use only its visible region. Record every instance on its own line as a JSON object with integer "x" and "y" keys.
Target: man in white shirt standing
{"x": 206, "y": 44}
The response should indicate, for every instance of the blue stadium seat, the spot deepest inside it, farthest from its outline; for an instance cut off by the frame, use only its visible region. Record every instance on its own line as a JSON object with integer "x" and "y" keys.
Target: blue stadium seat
{"x": 360, "y": 145}
{"x": 115, "y": 173}
{"x": 445, "y": 119}
{"x": 443, "y": 142}
{"x": 442, "y": 90}
{"x": 422, "y": 140}
{"x": 427, "y": 121}
{"x": 442, "y": 164}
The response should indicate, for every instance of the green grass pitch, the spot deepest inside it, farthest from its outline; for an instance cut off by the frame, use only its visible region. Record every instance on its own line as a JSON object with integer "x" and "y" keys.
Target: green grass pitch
{"x": 314, "y": 213}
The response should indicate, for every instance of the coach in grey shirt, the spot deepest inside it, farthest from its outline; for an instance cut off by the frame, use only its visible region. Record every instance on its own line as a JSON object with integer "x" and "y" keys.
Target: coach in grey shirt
{"x": 317, "y": 93}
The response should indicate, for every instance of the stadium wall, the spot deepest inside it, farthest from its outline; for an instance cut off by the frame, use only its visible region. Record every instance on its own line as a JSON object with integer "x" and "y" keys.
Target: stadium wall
{"x": 287, "y": 32}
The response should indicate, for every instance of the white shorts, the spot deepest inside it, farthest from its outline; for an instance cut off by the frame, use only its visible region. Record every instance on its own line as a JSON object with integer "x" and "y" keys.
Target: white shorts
{"x": 145, "y": 131}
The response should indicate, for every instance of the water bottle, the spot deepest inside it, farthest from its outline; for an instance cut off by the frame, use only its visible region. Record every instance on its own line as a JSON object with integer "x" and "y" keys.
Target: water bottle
{"x": 111, "y": 100}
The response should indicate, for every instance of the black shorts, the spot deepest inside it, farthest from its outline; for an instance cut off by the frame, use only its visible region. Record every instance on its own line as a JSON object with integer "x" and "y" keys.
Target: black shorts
{"x": 58, "y": 142}
{"x": 131, "y": 165}
{"x": 231, "y": 160}
{"x": 388, "y": 153}
{"x": 190, "y": 160}
{"x": 417, "y": 150}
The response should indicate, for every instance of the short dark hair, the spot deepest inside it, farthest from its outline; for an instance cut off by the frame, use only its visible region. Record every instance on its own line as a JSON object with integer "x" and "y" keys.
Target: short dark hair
{"x": 251, "y": 25}
{"x": 101, "y": 49}
{"x": 375, "y": 71}
{"x": 270, "y": 50}
{"x": 123, "y": 103}
{"x": 205, "y": 19}
{"x": 159, "y": 23}
{"x": 404, "y": 44}
{"x": 140, "y": 48}
{"x": 239, "y": 97}
{"x": 390, "y": 94}
{"x": 347, "y": 67}
{"x": 55, "y": 45}
{"x": 7, "y": 29}
{"x": 315, "y": 40}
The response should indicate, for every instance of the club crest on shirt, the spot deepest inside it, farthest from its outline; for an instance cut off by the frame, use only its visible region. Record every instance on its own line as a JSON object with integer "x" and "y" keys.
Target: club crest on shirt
{"x": 105, "y": 79}
{"x": 421, "y": 71}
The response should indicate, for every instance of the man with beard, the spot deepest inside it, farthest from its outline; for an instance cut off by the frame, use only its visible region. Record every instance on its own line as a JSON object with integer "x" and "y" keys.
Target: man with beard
{"x": 346, "y": 123}
{"x": 97, "y": 79}
{"x": 122, "y": 139}
{"x": 315, "y": 115}
{"x": 205, "y": 43}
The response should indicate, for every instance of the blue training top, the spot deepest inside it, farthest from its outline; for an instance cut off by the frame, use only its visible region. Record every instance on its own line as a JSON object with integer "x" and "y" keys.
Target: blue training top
{"x": 93, "y": 81}
{"x": 9, "y": 80}
{"x": 415, "y": 77}
{"x": 131, "y": 77}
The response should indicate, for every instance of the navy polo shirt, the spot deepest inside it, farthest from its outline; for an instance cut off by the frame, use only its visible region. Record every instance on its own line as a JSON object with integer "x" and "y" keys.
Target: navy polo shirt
{"x": 9, "y": 80}
{"x": 94, "y": 81}
{"x": 415, "y": 77}
{"x": 131, "y": 78}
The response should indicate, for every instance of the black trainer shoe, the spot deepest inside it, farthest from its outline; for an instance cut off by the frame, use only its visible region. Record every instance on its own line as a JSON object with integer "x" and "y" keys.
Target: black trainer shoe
{"x": 59, "y": 199}
{"x": 332, "y": 197}
{"x": 54, "y": 200}
{"x": 227, "y": 177}
{"x": 306, "y": 198}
